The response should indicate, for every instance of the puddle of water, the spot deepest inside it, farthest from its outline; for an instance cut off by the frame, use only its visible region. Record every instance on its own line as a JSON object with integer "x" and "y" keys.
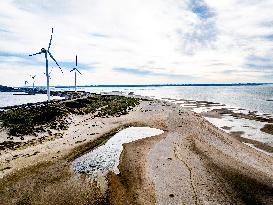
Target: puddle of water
{"x": 105, "y": 158}
{"x": 250, "y": 128}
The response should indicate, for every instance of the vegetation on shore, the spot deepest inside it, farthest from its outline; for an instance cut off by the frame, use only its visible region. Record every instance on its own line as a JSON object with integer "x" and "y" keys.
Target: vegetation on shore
{"x": 239, "y": 115}
{"x": 44, "y": 117}
{"x": 268, "y": 128}
{"x": 6, "y": 88}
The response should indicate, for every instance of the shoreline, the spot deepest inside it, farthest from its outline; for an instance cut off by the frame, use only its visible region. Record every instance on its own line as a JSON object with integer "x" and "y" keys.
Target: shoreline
{"x": 190, "y": 144}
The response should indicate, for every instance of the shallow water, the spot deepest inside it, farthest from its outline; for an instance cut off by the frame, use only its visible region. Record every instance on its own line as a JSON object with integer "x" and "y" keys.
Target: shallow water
{"x": 8, "y": 99}
{"x": 106, "y": 157}
{"x": 251, "y": 128}
{"x": 253, "y": 98}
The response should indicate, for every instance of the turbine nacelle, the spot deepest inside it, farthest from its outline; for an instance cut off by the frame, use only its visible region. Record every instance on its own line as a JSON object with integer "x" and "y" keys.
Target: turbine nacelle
{"x": 33, "y": 76}
{"x": 43, "y": 50}
{"x": 76, "y": 70}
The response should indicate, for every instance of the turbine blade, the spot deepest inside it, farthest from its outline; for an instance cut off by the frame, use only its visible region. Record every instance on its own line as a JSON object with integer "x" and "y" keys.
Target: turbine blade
{"x": 76, "y": 60}
{"x": 50, "y": 41}
{"x": 36, "y": 53}
{"x": 51, "y": 56}
{"x": 78, "y": 71}
{"x": 73, "y": 69}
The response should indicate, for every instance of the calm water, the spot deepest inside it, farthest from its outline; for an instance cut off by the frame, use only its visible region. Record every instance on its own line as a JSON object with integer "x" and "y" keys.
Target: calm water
{"x": 8, "y": 99}
{"x": 253, "y": 98}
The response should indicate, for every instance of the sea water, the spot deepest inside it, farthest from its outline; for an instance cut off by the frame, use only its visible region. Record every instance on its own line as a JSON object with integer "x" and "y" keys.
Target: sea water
{"x": 252, "y": 98}
{"x": 9, "y": 99}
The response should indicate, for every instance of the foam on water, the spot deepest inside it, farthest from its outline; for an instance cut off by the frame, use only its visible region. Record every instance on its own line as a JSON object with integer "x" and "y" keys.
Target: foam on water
{"x": 106, "y": 157}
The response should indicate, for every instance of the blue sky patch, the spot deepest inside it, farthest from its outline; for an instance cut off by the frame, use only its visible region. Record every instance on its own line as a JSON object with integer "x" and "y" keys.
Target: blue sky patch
{"x": 100, "y": 35}
{"x": 200, "y": 8}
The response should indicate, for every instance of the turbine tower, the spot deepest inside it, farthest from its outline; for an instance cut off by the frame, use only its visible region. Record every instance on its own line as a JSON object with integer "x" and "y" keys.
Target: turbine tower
{"x": 76, "y": 70}
{"x": 33, "y": 78}
{"x": 49, "y": 73}
{"x": 47, "y": 52}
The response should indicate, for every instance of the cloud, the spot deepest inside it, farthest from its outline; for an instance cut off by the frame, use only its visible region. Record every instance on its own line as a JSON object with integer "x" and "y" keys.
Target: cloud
{"x": 160, "y": 41}
{"x": 133, "y": 71}
{"x": 100, "y": 35}
{"x": 149, "y": 73}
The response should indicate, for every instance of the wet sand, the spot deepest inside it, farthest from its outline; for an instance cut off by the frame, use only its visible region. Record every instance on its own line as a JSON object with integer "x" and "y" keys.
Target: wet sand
{"x": 193, "y": 162}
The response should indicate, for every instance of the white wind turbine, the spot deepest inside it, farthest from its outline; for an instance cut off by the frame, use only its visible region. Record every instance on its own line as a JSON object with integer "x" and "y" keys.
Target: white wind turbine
{"x": 47, "y": 52}
{"x": 33, "y": 78}
{"x": 26, "y": 82}
{"x": 76, "y": 70}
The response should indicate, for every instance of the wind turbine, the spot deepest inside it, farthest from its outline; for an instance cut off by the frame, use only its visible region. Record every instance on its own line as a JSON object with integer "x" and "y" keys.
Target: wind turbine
{"x": 76, "y": 70}
{"x": 47, "y": 52}
{"x": 33, "y": 78}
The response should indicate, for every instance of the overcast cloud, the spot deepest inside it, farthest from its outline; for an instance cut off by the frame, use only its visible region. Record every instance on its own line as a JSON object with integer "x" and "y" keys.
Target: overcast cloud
{"x": 138, "y": 41}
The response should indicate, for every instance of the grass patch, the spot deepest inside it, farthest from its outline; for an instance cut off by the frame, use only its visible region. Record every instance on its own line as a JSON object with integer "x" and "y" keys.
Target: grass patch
{"x": 34, "y": 118}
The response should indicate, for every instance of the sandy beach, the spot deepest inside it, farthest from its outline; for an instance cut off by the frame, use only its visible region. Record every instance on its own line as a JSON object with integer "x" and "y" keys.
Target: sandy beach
{"x": 192, "y": 162}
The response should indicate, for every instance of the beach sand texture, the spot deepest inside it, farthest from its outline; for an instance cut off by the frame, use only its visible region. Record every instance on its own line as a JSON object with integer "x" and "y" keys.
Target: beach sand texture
{"x": 192, "y": 162}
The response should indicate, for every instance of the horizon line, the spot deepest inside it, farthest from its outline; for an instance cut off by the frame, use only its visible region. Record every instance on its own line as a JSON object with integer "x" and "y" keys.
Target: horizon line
{"x": 156, "y": 85}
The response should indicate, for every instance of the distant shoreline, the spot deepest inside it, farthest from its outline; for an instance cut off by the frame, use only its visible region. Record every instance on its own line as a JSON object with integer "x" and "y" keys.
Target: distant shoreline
{"x": 14, "y": 88}
{"x": 172, "y": 85}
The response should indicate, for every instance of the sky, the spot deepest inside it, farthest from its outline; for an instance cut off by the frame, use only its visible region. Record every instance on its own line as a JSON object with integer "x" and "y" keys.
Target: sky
{"x": 137, "y": 41}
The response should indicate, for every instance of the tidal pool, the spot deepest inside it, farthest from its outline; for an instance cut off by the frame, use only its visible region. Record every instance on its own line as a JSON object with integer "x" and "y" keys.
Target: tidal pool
{"x": 106, "y": 157}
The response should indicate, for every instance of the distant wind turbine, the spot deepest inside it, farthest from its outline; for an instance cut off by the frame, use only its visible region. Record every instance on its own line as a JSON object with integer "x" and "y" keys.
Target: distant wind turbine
{"x": 33, "y": 78}
{"x": 47, "y": 52}
{"x": 76, "y": 70}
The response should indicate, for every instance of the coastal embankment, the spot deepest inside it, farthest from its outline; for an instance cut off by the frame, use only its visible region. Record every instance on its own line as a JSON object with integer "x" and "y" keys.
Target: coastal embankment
{"x": 192, "y": 162}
